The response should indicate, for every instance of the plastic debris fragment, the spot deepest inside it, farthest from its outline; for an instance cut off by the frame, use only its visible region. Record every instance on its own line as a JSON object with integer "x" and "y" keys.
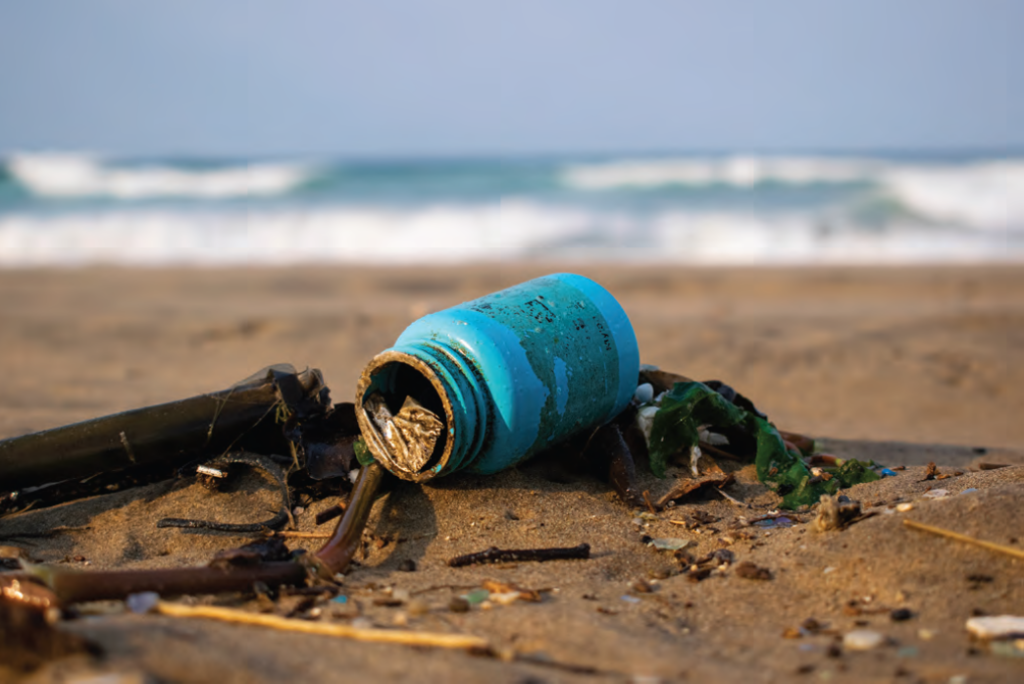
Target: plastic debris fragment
{"x": 670, "y": 543}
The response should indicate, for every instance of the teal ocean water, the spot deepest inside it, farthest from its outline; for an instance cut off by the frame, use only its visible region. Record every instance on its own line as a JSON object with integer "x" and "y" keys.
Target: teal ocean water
{"x": 73, "y": 209}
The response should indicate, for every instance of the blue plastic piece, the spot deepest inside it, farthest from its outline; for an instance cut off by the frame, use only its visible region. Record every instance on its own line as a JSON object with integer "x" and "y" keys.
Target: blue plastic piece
{"x": 888, "y": 473}
{"x": 509, "y": 374}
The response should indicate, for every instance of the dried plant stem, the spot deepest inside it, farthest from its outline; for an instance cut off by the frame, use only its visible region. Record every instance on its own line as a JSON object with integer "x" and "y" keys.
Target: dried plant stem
{"x": 292, "y": 534}
{"x": 390, "y": 636}
{"x": 949, "y": 534}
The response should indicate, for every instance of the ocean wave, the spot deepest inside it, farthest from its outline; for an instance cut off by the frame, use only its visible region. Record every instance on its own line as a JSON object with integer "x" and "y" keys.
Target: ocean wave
{"x": 985, "y": 194}
{"x": 448, "y": 234}
{"x": 735, "y": 171}
{"x": 78, "y": 176}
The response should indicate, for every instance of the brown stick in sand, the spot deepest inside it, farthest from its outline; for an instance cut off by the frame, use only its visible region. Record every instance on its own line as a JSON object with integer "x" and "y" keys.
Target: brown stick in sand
{"x": 495, "y": 555}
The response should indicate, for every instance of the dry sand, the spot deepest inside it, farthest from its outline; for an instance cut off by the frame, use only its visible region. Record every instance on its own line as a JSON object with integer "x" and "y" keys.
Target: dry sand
{"x": 899, "y": 365}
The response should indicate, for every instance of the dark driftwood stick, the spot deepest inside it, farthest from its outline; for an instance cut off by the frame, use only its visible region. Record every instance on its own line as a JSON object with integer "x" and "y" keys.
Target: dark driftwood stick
{"x": 171, "y": 433}
{"x": 496, "y": 555}
{"x": 337, "y": 553}
{"x": 72, "y": 586}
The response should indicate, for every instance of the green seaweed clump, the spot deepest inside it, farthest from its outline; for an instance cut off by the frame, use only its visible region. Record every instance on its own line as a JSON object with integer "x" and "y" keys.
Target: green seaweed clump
{"x": 690, "y": 406}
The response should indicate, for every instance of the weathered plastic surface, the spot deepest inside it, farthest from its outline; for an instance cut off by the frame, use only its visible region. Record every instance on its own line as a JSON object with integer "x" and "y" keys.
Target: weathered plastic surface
{"x": 509, "y": 374}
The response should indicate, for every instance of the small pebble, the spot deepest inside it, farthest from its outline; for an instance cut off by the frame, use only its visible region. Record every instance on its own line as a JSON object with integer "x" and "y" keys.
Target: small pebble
{"x": 900, "y": 614}
{"x": 630, "y": 599}
{"x": 641, "y": 586}
{"x": 143, "y": 602}
{"x": 862, "y": 640}
{"x": 904, "y": 507}
{"x": 458, "y": 605}
{"x": 996, "y": 626}
{"x": 936, "y": 493}
{"x": 298, "y": 510}
{"x": 400, "y": 619}
{"x": 926, "y": 634}
{"x": 407, "y": 565}
{"x": 418, "y": 607}
{"x": 644, "y": 393}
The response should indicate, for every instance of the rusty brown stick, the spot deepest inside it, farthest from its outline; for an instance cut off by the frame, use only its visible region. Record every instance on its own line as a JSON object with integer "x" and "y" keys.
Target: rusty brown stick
{"x": 496, "y": 555}
{"x": 338, "y": 552}
{"x": 74, "y": 586}
{"x": 949, "y": 534}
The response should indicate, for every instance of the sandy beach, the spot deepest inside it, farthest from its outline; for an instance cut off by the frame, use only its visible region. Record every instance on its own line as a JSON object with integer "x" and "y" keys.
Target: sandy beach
{"x": 901, "y": 365}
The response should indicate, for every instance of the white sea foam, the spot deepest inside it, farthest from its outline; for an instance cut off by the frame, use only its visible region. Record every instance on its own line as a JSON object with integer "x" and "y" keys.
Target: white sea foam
{"x": 985, "y": 195}
{"x": 77, "y": 175}
{"x": 460, "y": 234}
{"x": 739, "y": 171}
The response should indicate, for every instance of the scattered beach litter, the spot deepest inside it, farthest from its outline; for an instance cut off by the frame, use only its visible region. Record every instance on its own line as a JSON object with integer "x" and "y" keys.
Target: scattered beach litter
{"x": 412, "y": 421}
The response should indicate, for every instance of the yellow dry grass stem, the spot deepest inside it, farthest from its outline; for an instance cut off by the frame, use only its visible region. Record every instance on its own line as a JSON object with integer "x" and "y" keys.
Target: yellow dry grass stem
{"x": 949, "y": 534}
{"x": 387, "y": 636}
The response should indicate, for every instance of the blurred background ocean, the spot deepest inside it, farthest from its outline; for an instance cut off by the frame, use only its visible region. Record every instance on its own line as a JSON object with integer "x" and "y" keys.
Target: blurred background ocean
{"x": 64, "y": 209}
{"x": 224, "y": 132}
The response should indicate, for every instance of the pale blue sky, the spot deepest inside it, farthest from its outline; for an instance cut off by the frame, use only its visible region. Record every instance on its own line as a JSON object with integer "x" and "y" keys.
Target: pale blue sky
{"x": 474, "y": 77}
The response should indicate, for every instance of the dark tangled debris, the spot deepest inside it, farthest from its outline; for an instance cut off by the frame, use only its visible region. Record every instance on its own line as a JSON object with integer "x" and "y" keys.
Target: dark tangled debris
{"x": 496, "y": 555}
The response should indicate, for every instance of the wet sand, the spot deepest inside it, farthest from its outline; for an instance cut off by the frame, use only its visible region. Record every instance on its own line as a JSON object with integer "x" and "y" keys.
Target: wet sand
{"x": 899, "y": 365}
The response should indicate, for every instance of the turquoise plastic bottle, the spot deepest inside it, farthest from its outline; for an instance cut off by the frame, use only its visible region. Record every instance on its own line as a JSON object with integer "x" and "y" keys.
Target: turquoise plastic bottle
{"x": 506, "y": 376}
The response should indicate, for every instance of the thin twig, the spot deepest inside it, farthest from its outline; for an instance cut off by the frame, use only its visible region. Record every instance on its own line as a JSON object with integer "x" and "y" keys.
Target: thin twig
{"x": 391, "y": 636}
{"x": 949, "y": 534}
{"x": 298, "y": 535}
{"x": 495, "y": 555}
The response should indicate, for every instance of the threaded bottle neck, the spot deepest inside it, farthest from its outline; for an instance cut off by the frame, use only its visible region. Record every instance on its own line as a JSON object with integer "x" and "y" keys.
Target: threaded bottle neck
{"x": 441, "y": 381}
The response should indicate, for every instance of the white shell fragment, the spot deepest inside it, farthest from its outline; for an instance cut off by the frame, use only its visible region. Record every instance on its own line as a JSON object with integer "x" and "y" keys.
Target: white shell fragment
{"x": 644, "y": 393}
{"x": 645, "y": 421}
{"x": 862, "y": 640}
{"x": 996, "y": 627}
{"x": 695, "y": 455}
{"x": 936, "y": 493}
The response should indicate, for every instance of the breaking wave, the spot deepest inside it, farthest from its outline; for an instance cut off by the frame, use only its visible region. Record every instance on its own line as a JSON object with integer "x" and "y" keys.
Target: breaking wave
{"x": 984, "y": 195}
{"x": 78, "y": 176}
{"x": 458, "y": 234}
